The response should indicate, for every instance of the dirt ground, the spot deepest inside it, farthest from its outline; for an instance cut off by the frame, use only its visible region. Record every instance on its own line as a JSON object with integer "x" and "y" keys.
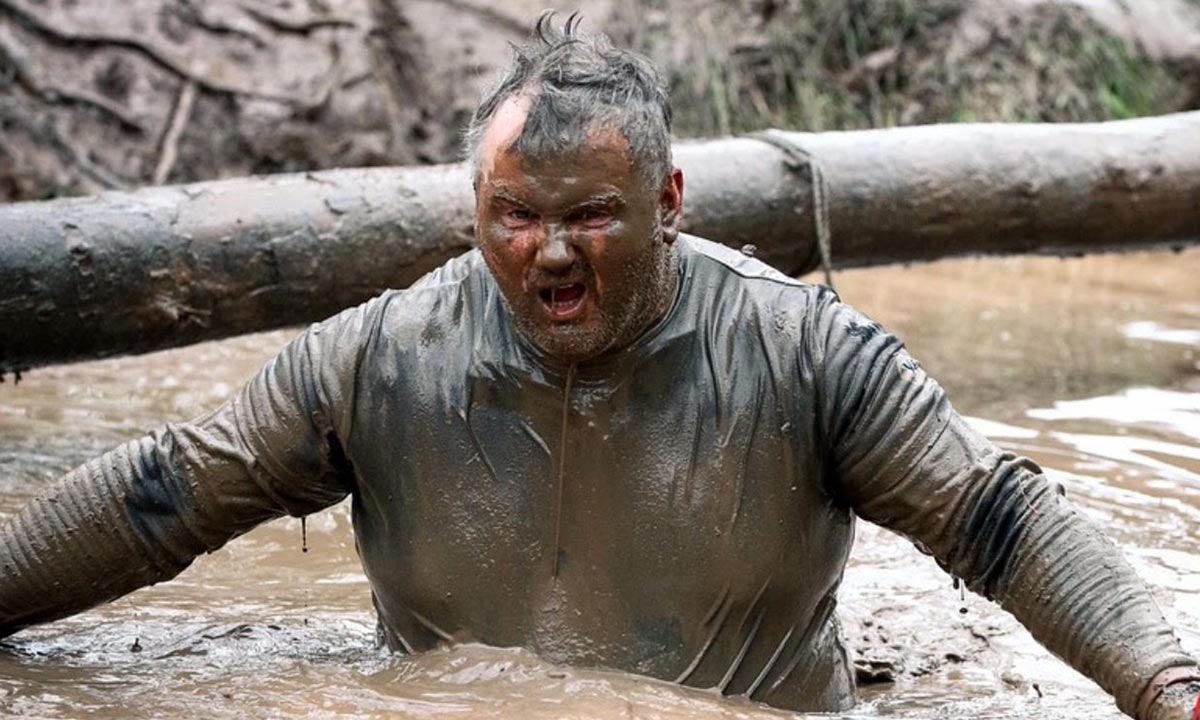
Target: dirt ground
{"x": 106, "y": 95}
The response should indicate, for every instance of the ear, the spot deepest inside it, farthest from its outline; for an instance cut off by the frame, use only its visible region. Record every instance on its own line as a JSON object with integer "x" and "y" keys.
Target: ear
{"x": 475, "y": 212}
{"x": 670, "y": 205}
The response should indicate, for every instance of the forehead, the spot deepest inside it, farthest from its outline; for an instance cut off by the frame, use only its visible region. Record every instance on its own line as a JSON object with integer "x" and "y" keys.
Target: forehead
{"x": 602, "y": 155}
{"x": 504, "y": 128}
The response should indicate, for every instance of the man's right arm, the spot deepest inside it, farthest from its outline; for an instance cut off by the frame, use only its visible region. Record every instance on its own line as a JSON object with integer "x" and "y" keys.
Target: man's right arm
{"x": 141, "y": 513}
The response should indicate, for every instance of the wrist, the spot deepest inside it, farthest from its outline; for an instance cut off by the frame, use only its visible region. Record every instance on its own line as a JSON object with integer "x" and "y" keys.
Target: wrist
{"x": 1172, "y": 695}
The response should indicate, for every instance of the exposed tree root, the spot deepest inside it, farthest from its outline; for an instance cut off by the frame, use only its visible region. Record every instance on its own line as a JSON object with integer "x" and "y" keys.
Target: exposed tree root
{"x": 18, "y": 63}
{"x": 113, "y": 40}
{"x": 501, "y": 19}
{"x": 280, "y": 23}
{"x": 169, "y": 144}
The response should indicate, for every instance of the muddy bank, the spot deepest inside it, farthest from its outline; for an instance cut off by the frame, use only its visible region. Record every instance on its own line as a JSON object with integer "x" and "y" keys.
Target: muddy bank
{"x": 103, "y": 96}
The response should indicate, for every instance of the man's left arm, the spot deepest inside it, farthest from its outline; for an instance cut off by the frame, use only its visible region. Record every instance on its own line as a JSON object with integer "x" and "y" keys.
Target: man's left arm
{"x": 903, "y": 458}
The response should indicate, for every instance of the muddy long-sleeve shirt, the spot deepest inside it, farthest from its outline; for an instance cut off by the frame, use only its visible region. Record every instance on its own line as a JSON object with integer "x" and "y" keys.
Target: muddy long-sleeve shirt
{"x": 683, "y": 508}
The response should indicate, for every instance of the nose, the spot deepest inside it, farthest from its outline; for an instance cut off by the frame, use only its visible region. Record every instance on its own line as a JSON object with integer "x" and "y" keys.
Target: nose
{"x": 556, "y": 253}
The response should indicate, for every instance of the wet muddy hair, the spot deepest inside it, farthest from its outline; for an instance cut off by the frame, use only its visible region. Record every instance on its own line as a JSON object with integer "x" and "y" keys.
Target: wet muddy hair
{"x": 579, "y": 83}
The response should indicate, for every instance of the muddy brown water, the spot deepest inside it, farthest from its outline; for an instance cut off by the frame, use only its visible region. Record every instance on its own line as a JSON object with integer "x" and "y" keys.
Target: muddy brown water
{"x": 1091, "y": 366}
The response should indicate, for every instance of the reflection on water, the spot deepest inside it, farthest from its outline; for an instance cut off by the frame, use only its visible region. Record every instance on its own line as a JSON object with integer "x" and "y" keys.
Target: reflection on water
{"x": 1088, "y": 366}
{"x": 1150, "y": 330}
{"x": 1167, "y": 409}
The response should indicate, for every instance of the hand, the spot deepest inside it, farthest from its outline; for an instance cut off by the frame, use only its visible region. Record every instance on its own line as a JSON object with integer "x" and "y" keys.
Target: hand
{"x": 1178, "y": 702}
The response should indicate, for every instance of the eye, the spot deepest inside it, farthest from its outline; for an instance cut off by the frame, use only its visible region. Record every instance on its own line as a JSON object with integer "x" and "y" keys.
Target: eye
{"x": 591, "y": 217}
{"x": 519, "y": 217}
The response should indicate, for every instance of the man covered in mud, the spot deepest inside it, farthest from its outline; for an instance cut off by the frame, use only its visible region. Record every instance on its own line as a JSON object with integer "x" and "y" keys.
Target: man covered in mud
{"x": 605, "y": 441}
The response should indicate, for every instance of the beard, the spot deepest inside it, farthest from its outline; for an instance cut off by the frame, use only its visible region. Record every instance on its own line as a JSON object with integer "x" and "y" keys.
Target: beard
{"x": 630, "y": 303}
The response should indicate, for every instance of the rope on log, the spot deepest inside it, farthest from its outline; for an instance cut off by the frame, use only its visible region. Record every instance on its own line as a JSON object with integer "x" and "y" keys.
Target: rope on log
{"x": 801, "y": 160}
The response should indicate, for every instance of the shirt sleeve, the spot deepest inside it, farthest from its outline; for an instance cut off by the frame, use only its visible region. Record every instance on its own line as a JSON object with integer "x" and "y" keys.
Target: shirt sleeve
{"x": 903, "y": 458}
{"x": 142, "y": 512}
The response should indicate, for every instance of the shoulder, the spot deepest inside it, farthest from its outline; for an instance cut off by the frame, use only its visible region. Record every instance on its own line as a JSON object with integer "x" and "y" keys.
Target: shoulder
{"x": 739, "y": 294}
{"x": 451, "y": 275}
{"x": 723, "y": 259}
{"x": 446, "y": 296}
{"x": 452, "y": 294}
{"x": 726, "y": 278}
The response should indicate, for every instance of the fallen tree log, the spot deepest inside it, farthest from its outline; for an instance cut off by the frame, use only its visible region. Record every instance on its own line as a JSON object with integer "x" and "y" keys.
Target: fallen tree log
{"x": 133, "y": 272}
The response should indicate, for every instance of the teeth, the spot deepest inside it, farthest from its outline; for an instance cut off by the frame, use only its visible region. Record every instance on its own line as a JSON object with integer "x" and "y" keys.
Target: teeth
{"x": 560, "y": 295}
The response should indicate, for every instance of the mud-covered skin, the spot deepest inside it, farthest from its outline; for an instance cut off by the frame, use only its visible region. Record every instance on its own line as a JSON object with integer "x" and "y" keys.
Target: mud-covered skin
{"x": 589, "y": 217}
{"x": 713, "y": 470}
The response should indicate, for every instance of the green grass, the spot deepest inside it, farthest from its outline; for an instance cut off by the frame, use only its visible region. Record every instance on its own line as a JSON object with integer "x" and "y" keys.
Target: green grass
{"x": 847, "y": 64}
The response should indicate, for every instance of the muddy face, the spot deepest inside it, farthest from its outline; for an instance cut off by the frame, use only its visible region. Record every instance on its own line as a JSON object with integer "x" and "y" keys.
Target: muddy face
{"x": 578, "y": 242}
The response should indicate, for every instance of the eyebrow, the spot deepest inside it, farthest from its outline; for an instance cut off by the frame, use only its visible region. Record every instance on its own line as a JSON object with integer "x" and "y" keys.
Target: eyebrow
{"x": 602, "y": 199}
{"x": 507, "y": 197}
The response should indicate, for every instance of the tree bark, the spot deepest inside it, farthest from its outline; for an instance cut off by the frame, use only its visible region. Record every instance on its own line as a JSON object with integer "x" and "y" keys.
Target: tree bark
{"x": 133, "y": 272}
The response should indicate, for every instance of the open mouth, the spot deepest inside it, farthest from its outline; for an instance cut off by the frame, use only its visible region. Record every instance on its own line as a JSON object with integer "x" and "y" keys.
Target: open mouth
{"x": 563, "y": 301}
